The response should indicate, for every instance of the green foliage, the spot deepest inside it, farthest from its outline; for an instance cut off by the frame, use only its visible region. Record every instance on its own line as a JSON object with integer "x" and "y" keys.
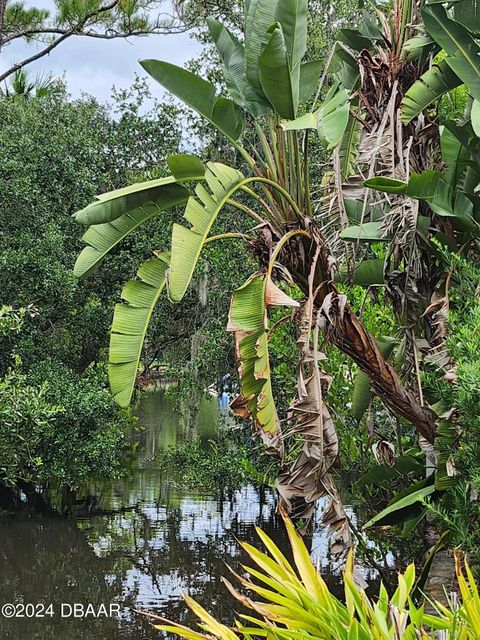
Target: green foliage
{"x": 223, "y": 463}
{"x": 74, "y": 149}
{"x": 25, "y": 417}
{"x": 460, "y": 511}
{"x": 294, "y": 601}
{"x": 54, "y": 155}
{"x": 55, "y": 425}
{"x": 89, "y": 436}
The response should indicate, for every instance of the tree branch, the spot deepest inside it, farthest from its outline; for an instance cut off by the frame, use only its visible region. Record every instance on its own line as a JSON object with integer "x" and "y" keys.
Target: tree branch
{"x": 108, "y": 35}
{"x": 78, "y": 30}
{"x": 39, "y": 54}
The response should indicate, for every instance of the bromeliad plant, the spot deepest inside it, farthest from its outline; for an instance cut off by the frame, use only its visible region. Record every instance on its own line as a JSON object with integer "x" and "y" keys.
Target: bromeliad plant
{"x": 267, "y": 81}
{"x": 296, "y": 603}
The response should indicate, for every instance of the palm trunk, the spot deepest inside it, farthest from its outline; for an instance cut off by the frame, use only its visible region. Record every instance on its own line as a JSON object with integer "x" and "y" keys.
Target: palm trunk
{"x": 341, "y": 326}
{"x": 351, "y": 337}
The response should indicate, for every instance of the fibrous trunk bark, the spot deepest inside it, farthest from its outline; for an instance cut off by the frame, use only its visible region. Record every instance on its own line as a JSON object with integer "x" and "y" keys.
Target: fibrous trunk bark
{"x": 341, "y": 326}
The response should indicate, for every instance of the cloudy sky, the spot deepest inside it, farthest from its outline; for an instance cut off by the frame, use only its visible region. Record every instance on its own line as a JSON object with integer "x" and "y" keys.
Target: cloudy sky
{"x": 93, "y": 66}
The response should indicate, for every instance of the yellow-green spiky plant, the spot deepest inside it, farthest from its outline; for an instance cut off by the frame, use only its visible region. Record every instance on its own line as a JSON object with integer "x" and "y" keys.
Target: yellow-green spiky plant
{"x": 295, "y": 603}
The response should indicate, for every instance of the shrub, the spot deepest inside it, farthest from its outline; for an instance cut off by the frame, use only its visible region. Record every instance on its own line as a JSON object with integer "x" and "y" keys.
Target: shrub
{"x": 298, "y": 604}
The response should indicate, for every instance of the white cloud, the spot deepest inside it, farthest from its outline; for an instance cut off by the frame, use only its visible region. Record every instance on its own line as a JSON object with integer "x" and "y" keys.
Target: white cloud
{"x": 93, "y": 66}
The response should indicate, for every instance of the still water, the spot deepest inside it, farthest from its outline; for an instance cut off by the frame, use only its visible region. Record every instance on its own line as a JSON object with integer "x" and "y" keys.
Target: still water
{"x": 138, "y": 543}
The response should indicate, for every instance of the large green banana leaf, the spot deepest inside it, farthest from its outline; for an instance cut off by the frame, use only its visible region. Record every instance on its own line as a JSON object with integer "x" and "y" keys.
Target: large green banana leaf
{"x": 130, "y": 322}
{"x": 433, "y": 84}
{"x": 462, "y": 49}
{"x": 455, "y": 156}
{"x": 248, "y": 319}
{"x": 432, "y": 187}
{"x": 130, "y": 207}
{"x": 330, "y": 120}
{"x": 348, "y": 149}
{"x": 293, "y": 16}
{"x": 232, "y": 53}
{"x": 113, "y": 204}
{"x": 366, "y": 232}
{"x": 367, "y": 273}
{"x": 467, "y": 12}
{"x": 102, "y": 238}
{"x": 405, "y": 506}
{"x": 355, "y": 39}
{"x": 197, "y": 93}
{"x": 344, "y": 66}
{"x": 201, "y": 212}
{"x": 476, "y": 117}
{"x": 110, "y": 206}
{"x": 309, "y": 79}
{"x": 419, "y": 48}
{"x": 379, "y": 474}
{"x": 259, "y": 17}
{"x": 280, "y": 85}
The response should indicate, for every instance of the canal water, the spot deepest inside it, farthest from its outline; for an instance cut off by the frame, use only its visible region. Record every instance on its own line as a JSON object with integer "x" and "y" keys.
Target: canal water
{"x": 138, "y": 543}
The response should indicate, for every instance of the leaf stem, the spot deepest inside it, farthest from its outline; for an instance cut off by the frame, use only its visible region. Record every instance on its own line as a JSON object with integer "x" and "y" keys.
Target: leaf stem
{"x": 221, "y": 236}
{"x": 281, "y": 243}
{"x": 245, "y": 209}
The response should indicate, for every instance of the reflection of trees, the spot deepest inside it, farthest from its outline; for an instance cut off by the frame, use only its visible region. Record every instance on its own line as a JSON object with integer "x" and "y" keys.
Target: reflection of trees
{"x": 143, "y": 558}
{"x": 50, "y": 561}
{"x": 136, "y": 541}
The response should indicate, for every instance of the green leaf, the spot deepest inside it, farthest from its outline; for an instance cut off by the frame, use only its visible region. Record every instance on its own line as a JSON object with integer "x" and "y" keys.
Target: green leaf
{"x": 130, "y": 322}
{"x": 423, "y": 186}
{"x": 292, "y": 15}
{"x": 259, "y": 17}
{"x": 330, "y": 120}
{"x": 309, "y": 79}
{"x": 433, "y": 84}
{"x": 381, "y": 473}
{"x": 200, "y": 95}
{"x": 201, "y": 212}
{"x": 232, "y": 53}
{"x": 248, "y": 319}
{"x": 475, "y": 115}
{"x": 454, "y": 154}
{"x": 186, "y": 167}
{"x": 354, "y": 39}
{"x": 110, "y": 206}
{"x": 247, "y": 309}
{"x": 362, "y": 390}
{"x": 367, "y": 232}
{"x": 456, "y": 40}
{"x": 467, "y": 12}
{"x": 102, "y": 238}
{"x": 418, "y": 46}
{"x": 400, "y": 509}
{"x": 368, "y": 272}
{"x": 275, "y": 77}
{"x": 387, "y": 185}
{"x": 333, "y": 118}
{"x": 344, "y": 66}
{"x": 348, "y": 150}
{"x": 362, "y": 395}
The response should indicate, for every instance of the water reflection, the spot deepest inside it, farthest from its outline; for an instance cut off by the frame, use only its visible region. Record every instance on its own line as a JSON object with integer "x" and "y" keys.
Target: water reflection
{"x": 139, "y": 542}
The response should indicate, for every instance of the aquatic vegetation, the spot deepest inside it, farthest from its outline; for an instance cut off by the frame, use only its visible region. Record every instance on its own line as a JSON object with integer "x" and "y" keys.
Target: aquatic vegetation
{"x": 223, "y": 463}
